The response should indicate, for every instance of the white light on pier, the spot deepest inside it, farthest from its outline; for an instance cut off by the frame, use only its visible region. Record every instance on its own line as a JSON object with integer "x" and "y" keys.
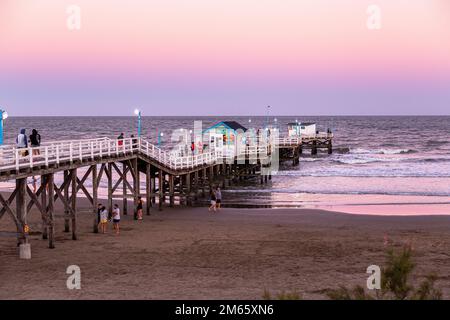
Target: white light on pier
{"x": 137, "y": 111}
{"x": 4, "y": 115}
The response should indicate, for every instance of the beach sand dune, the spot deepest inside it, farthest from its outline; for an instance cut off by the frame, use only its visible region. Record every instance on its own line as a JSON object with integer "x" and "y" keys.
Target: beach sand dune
{"x": 188, "y": 253}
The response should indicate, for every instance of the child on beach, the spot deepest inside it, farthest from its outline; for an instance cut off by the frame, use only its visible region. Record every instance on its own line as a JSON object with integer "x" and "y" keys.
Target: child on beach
{"x": 103, "y": 219}
{"x": 116, "y": 218}
{"x": 213, "y": 200}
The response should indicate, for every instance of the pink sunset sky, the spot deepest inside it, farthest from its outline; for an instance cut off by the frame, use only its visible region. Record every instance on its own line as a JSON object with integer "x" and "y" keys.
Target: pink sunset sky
{"x": 234, "y": 57}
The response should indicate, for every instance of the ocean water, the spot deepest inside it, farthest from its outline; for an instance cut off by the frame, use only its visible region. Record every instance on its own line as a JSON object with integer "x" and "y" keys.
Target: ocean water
{"x": 376, "y": 161}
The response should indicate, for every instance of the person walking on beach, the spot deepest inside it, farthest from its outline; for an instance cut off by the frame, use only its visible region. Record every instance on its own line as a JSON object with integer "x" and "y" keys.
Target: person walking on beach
{"x": 138, "y": 215}
{"x": 212, "y": 196}
{"x": 22, "y": 142}
{"x": 218, "y": 198}
{"x": 103, "y": 219}
{"x": 116, "y": 218}
{"x": 35, "y": 141}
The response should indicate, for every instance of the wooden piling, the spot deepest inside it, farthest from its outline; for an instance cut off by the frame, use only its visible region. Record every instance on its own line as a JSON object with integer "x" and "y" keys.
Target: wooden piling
{"x": 21, "y": 211}
{"x": 44, "y": 206}
{"x": 160, "y": 189}
{"x": 73, "y": 177}
{"x": 171, "y": 190}
{"x": 136, "y": 186}
{"x": 95, "y": 199}
{"x": 66, "y": 202}
{"x": 50, "y": 211}
{"x": 148, "y": 187}
{"x": 124, "y": 189}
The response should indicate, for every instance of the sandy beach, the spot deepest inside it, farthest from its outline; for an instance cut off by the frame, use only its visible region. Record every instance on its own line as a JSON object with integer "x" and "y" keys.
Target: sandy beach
{"x": 189, "y": 253}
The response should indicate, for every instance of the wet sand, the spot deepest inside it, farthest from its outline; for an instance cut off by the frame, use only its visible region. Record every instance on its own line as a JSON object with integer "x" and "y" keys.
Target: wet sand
{"x": 189, "y": 253}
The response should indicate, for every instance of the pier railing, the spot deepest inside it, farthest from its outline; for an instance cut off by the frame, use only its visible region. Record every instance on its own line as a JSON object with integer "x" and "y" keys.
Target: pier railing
{"x": 57, "y": 152}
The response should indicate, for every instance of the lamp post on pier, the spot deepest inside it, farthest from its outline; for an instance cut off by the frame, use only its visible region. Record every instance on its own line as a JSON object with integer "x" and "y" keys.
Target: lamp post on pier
{"x": 138, "y": 113}
{"x": 3, "y": 116}
{"x": 160, "y": 135}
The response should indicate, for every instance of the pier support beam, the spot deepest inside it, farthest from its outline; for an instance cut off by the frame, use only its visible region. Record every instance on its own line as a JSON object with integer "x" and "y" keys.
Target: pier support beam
{"x": 148, "y": 188}
{"x": 188, "y": 189}
{"x": 124, "y": 189}
{"x": 136, "y": 186}
{"x": 66, "y": 197}
{"x": 50, "y": 211}
{"x": 160, "y": 189}
{"x": 21, "y": 211}
{"x": 109, "y": 171}
{"x": 95, "y": 198}
{"x": 73, "y": 178}
{"x": 314, "y": 148}
{"x": 44, "y": 206}
{"x": 171, "y": 190}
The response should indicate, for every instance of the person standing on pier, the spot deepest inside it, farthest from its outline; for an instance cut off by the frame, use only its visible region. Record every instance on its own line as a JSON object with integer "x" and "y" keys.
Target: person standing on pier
{"x": 35, "y": 141}
{"x": 120, "y": 140}
{"x": 193, "y": 147}
{"x": 22, "y": 142}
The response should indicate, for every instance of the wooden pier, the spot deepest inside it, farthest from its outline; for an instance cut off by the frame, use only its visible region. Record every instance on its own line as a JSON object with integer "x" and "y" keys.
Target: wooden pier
{"x": 170, "y": 179}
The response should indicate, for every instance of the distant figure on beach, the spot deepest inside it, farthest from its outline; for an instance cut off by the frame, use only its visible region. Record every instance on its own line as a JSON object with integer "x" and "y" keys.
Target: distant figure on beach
{"x": 35, "y": 141}
{"x": 139, "y": 207}
{"x": 103, "y": 219}
{"x": 22, "y": 142}
{"x": 218, "y": 198}
{"x": 212, "y": 196}
{"x": 116, "y": 218}
{"x": 34, "y": 183}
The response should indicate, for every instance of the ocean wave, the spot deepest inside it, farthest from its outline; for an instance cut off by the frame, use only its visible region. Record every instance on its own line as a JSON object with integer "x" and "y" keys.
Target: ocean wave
{"x": 382, "y": 151}
{"x": 435, "y": 143}
{"x": 340, "y": 192}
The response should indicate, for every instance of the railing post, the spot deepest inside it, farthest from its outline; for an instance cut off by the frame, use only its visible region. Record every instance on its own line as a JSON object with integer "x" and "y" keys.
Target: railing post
{"x": 46, "y": 156}
{"x": 57, "y": 154}
{"x": 30, "y": 154}
{"x": 92, "y": 150}
{"x": 16, "y": 154}
{"x": 71, "y": 152}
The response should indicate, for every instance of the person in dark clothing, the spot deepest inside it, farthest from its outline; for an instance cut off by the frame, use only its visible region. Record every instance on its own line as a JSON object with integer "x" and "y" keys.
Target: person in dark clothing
{"x": 35, "y": 141}
{"x": 134, "y": 141}
{"x": 99, "y": 209}
{"x": 138, "y": 214}
{"x": 120, "y": 138}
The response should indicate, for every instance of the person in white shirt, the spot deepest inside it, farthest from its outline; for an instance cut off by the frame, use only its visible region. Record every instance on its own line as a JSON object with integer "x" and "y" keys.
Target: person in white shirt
{"x": 116, "y": 218}
{"x": 103, "y": 219}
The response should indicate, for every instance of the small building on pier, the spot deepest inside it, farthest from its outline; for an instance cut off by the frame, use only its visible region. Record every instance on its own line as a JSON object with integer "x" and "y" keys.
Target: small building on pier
{"x": 297, "y": 129}
{"x": 224, "y": 133}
